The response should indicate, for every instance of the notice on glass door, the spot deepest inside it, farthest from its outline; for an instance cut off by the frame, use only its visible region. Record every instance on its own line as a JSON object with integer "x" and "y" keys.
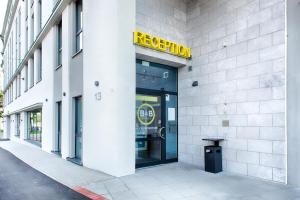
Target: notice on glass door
{"x": 171, "y": 114}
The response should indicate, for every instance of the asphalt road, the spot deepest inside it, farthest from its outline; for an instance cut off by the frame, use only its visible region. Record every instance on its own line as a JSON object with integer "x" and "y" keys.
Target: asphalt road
{"x": 19, "y": 181}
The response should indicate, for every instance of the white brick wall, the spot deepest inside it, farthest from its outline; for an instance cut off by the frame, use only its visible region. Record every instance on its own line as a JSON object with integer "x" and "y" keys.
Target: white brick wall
{"x": 238, "y": 60}
{"x": 238, "y": 57}
{"x": 166, "y": 19}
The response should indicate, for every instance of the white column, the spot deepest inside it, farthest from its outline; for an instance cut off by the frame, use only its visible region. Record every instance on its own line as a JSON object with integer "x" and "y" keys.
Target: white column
{"x": 26, "y": 125}
{"x": 23, "y": 125}
{"x": 6, "y": 127}
{"x": 66, "y": 128}
{"x": 47, "y": 84}
{"x": 109, "y": 57}
{"x": 13, "y": 125}
{"x": 293, "y": 94}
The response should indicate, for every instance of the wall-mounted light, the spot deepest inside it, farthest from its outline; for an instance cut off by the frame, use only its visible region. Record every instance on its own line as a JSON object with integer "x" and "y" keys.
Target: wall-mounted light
{"x": 96, "y": 83}
{"x": 46, "y": 100}
{"x": 195, "y": 83}
{"x": 64, "y": 94}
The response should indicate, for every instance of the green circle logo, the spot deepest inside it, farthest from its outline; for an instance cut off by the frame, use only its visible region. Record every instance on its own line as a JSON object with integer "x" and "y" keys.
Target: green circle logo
{"x": 146, "y": 114}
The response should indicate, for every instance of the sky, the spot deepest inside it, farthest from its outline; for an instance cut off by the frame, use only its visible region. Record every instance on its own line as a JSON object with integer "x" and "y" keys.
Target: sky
{"x": 3, "y": 4}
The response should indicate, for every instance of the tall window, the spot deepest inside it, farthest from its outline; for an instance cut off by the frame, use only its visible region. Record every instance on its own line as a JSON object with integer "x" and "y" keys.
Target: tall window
{"x": 78, "y": 25}
{"x": 8, "y": 59}
{"x": 40, "y": 14}
{"x": 12, "y": 91}
{"x": 26, "y": 78}
{"x": 40, "y": 67}
{"x": 12, "y": 53}
{"x": 59, "y": 44}
{"x": 32, "y": 73}
{"x": 35, "y": 125}
{"x": 26, "y": 37}
{"x": 19, "y": 37}
{"x": 19, "y": 84}
{"x": 32, "y": 30}
{"x": 11, "y": 94}
{"x": 26, "y": 9}
{"x": 16, "y": 83}
{"x": 17, "y": 43}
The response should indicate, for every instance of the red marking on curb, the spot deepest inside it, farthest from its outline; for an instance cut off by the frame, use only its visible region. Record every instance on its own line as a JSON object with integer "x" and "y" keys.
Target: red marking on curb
{"x": 89, "y": 194}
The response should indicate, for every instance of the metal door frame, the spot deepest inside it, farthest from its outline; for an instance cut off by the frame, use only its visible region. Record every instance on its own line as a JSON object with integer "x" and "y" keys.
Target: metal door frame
{"x": 162, "y": 94}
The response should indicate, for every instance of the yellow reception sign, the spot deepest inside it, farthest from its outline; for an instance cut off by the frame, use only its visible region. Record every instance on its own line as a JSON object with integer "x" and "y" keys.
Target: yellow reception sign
{"x": 160, "y": 44}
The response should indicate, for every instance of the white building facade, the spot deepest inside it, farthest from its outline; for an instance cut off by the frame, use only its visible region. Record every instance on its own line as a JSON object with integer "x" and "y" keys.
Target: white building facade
{"x": 77, "y": 83}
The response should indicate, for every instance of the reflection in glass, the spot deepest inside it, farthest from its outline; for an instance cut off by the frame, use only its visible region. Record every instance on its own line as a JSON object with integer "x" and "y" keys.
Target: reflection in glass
{"x": 148, "y": 120}
{"x": 171, "y": 126}
{"x": 35, "y": 125}
{"x": 156, "y": 78}
{"x": 78, "y": 127}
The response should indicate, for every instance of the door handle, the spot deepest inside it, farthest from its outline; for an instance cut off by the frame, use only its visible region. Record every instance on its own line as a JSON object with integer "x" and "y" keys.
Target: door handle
{"x": 160, "y": 133}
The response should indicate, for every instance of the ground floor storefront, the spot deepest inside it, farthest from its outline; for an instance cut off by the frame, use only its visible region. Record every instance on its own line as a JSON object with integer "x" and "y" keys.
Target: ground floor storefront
{"x": 170, "y": 122}
{"x": 156, "y": 120}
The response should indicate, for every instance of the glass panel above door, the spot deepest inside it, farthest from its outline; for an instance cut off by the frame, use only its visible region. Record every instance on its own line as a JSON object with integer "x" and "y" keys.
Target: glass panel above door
{"x": 155, "y": 76}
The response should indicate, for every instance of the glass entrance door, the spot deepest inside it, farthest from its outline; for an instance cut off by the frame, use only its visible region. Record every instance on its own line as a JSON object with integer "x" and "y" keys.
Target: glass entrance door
{"x": 149, "y": 129}
{"x": 156, "y": 128}
{"x": 156, "y": 114}
{"x": 78, "y": 128}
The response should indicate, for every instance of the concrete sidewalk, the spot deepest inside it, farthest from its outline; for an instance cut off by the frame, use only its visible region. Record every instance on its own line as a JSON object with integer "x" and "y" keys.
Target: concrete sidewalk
{"x": 166, "y": 182}
{"x": 53, "y": 166}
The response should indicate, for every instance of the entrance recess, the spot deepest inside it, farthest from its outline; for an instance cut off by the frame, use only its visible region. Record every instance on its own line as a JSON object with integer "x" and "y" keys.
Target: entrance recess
{"x": 156, "y": 114}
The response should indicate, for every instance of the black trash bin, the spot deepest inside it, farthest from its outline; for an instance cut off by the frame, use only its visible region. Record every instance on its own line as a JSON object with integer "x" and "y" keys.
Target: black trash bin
{"x": 213, "y": 156}
{"x": 213, "y": 159}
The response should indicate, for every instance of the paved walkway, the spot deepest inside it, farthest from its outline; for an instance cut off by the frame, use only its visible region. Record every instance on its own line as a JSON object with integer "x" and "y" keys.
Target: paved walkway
{"x": 166, "y": 182}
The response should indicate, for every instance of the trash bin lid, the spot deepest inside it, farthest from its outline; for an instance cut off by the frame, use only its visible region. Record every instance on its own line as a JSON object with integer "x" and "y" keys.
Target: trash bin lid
{"x": 213, "y": 139}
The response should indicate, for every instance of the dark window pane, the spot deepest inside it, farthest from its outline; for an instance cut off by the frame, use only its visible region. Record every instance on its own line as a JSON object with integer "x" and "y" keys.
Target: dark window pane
{"x": 156, "y": 77}
{"x": 59, "y": 44}
{"x": 78, "y": 25}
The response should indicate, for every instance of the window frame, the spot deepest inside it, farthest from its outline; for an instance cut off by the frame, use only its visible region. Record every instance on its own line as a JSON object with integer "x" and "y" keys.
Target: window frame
{"x": 32, "y": 38}
{"x": 59, "y": 44}
{"x": 19, "y": 36}
{"x": 40, "y": 67}
{"x": 26, "y": 78}
{"x": 32, "y": 123}
{"x": 19, "y": 84}
{"x": 78, "y": 26}
{"x": 40, "y": 14}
